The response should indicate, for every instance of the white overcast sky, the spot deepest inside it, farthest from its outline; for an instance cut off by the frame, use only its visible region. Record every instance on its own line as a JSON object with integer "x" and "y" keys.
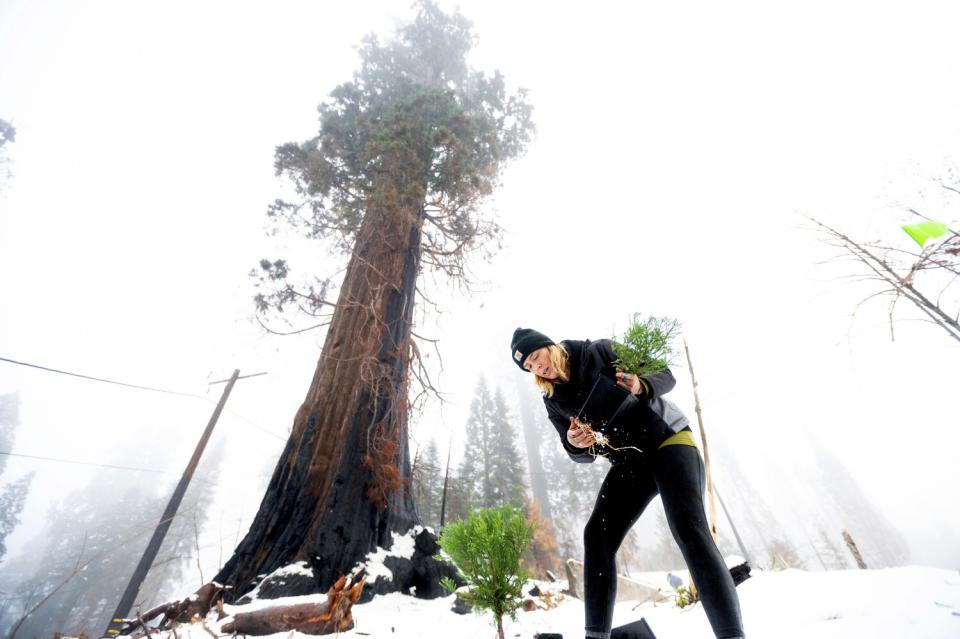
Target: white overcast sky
{"x": 679, "y": 146}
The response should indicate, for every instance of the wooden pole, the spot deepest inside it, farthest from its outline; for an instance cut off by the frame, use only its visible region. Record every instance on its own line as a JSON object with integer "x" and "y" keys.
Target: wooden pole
{"x": 711, "y": 489}
{"x": 711, "y": 502}
{"x": 854, "y": 550}
{"x": 133, "y": 588}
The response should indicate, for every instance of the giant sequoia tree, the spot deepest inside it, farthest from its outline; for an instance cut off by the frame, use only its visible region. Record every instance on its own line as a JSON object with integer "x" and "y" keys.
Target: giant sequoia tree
{"x": 406, "y": 152}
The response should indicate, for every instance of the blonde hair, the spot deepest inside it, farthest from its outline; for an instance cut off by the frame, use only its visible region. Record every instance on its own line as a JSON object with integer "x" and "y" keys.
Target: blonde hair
{"x": 559, "y": 361}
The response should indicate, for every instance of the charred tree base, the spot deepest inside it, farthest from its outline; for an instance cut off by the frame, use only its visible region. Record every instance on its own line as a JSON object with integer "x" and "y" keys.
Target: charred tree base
{"x": 418, "y": 575}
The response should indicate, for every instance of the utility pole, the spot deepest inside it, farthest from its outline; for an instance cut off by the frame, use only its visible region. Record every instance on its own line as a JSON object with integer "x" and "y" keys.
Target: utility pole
{"x": 133, "y": 588}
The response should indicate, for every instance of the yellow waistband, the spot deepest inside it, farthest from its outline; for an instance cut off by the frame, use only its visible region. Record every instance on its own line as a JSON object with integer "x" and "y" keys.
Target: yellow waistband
{"x": 684, "y": 437}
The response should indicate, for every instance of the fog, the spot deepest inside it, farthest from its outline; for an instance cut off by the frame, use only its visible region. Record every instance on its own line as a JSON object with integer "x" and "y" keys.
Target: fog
{"x": 679, "y": 148}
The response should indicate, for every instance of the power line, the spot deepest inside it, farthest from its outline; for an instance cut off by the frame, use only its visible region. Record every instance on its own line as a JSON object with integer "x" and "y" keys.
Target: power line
{"x": 253, "y": 424}
{"x": 110, "y": 466}
{"x": 149, "y": 388}
{"x": 99, "y": 379}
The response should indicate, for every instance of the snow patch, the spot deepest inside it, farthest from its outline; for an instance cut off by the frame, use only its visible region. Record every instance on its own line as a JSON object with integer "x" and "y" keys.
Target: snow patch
{"x": 889, "y": 603}
{"x": 296, "y": 568}
{"x": 403, "y": 547}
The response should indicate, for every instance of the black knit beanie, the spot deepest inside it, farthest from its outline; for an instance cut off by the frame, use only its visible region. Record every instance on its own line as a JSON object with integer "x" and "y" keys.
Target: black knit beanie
{"x": 524, "y": 342}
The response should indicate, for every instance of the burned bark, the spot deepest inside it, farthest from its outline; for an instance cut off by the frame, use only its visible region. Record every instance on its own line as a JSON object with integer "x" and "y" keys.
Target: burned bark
{"x": 405, "y": 153}
{"x": 343, "y": 483}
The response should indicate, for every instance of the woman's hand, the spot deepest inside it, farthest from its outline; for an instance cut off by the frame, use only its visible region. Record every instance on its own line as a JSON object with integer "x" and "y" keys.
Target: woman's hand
{"x": 578, "y": 435}
{"x": 630, "y": 382}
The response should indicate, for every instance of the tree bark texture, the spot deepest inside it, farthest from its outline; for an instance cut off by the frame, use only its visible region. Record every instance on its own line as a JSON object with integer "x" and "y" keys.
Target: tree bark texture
{"x": 342, "y": 485}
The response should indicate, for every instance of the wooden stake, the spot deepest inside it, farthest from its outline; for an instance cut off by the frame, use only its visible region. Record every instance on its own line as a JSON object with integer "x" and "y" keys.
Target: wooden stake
{"x": 854, "y": 550}
{"x": 711, "y": 501}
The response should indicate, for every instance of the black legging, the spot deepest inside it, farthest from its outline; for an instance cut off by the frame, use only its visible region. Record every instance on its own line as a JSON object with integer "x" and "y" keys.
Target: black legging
{"x": 676, "y": 472}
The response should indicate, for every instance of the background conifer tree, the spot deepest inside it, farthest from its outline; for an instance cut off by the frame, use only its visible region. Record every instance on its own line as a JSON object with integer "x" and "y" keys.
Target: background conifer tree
{"x": 507, "y": 482}
{"x": 13, "y": 494}
{"x": 477, "y": 466}
{"x": 428, "y": 484}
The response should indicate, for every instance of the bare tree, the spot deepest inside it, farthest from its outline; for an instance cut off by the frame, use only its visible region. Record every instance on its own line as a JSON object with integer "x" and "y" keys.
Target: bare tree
{"x": 924, "y": 277}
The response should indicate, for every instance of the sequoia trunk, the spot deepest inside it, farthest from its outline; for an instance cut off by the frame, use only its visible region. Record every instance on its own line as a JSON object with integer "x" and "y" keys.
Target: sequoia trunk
{"x": 342, "y": 485}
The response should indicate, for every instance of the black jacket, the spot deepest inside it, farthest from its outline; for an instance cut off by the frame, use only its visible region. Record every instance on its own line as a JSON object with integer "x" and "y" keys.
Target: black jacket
{"x": 626, "y": 420}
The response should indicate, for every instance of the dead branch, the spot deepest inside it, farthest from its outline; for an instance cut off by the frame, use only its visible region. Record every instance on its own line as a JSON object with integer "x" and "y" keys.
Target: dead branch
{"x": 899, "y": 285}
{"x": 949, "y": 188}
{"x": 198, "y": 604}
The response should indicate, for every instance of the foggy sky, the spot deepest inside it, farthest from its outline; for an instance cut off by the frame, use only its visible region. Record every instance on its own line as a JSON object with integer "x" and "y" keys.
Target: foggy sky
{"x": 678, "y": 148}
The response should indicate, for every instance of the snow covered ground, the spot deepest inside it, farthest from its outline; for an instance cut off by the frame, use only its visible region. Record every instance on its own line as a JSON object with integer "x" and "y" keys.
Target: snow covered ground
{"x": 909, "y": 602}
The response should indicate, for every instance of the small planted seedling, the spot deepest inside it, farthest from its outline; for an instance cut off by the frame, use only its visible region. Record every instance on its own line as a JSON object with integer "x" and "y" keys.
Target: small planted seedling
{"x": 647, "y": 345}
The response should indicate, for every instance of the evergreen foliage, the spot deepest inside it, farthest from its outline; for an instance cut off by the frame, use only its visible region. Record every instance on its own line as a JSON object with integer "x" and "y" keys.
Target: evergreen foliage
{"x": 508, "y": 486}
{"x": 407, "y": 151}
{"x": 102, "y": 528}
{"x": 487, "y": 548}
{"x": 9, "y": 420}
{"x": 491, "y": 473}
{"x": 82, "y": 529}
{"x": 12, "y": 498}
{"x": 416, "y": 126}
{"x": 458, "y": 500}
{"x": 13, "y": 495}
{"x": 477, "y": 465}
{"x": 428, "y": 473}
{"x": 7, "y": 134}
{"x": 687, "y": 596}
{"x": 647, "y": 345}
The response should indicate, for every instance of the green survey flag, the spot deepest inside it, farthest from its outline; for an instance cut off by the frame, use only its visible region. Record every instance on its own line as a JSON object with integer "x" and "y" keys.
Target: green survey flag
{"x": 924, "y": 231}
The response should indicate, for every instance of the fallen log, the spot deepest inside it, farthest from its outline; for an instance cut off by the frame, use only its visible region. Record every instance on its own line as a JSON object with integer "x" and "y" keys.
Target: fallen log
{"x": 321, "y": 618}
